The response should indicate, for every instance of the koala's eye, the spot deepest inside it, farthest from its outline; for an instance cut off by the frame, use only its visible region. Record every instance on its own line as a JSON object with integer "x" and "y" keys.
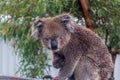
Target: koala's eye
{"x": 61, "y": 37}
{"x": 46, "y": 39}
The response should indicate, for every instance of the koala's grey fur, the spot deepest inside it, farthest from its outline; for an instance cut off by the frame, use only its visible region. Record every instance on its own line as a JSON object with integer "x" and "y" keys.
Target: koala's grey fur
{"x": 85, "y": 55}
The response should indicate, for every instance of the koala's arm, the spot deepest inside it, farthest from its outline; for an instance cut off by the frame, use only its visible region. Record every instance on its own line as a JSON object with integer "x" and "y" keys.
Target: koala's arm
{"x": 58, "y": 60}
{"x": 71, "y": 61}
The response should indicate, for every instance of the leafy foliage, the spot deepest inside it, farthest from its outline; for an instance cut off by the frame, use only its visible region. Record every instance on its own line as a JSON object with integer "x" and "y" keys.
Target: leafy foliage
{"x": 21, "y": 13}
{"x": 107, "y": 17}
{"x": 17, "y": 29}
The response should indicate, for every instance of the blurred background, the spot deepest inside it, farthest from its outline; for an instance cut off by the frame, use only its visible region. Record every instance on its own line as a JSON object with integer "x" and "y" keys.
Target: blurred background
{"x": 23, "y": 56}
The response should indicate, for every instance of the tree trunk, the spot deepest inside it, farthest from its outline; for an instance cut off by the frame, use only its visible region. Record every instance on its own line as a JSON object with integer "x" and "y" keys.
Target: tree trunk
{"x": 86, "y": 11}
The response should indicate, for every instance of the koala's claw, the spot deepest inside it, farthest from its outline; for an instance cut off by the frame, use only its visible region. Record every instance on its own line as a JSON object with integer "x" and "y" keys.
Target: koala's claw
{"x": 48, "y": 77}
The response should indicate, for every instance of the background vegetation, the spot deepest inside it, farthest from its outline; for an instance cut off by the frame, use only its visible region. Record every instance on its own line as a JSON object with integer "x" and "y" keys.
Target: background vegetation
{"x": 21, "y": 13}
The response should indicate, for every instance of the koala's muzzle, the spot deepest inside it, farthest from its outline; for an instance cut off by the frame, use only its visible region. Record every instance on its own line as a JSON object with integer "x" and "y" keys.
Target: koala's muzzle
{"x": 54, "y": 44}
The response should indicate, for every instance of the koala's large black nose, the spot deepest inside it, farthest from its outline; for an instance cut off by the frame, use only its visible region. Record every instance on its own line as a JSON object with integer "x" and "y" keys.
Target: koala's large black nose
{"x": 54, "y": 44}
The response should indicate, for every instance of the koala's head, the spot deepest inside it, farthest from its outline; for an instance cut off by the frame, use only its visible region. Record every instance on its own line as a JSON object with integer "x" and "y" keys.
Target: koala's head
{"x": 54, "y": 32}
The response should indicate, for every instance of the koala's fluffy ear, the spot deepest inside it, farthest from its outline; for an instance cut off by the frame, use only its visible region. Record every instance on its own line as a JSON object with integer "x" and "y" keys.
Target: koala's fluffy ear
{"x": 36, "y": 28}
{"x": 66, "y": 20}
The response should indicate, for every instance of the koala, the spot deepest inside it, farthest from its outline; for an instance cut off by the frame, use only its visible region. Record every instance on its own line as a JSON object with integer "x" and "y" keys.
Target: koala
{"x": 77, "y": 51}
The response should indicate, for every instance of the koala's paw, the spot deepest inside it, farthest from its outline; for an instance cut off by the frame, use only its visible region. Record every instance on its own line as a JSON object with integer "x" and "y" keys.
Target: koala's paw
{"x": 58, "y": 64}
